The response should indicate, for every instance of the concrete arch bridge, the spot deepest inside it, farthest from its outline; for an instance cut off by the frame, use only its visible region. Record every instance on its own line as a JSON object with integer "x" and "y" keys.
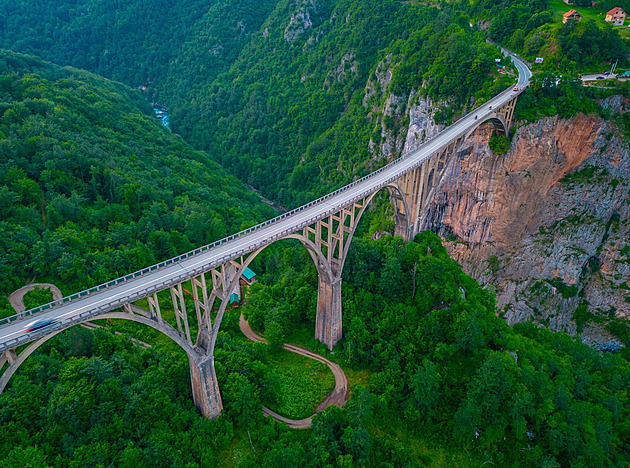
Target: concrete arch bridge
{"x": 324, "y": 226}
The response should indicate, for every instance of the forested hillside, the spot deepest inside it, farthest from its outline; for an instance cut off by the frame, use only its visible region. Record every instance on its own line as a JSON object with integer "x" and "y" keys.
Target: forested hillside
{"x": 92, "y": 186}
{"x": 300, "y": 97}
{"x": 299, "y": 110}
{"x": 295, "y": 97}
{"x": 444, "y": 367}
{"x": 284, "y": 94}
{"x": 436, "y": 378}
{"x": 138, "y": 42}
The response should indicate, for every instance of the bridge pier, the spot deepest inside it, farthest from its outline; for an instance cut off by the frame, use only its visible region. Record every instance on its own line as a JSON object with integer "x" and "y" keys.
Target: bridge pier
{"x": 205, "y": 388}
{"x": 402, "y": 227}
{"x": 328, "y": 321}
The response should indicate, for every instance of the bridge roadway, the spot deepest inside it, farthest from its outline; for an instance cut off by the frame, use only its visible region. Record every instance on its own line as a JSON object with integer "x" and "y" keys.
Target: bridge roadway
{"x": 112, "y": 295}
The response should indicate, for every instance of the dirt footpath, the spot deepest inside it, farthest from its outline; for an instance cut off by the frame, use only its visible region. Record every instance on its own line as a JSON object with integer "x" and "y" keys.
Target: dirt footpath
{"x": 339, "y": 395}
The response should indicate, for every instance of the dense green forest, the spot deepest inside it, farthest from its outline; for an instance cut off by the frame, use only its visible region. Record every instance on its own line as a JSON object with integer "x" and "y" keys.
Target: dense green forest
{"x": 276, "y": 91}
{"x": 446, "y": 367}
{"x": 92, "y": 186}
{"x": 136, "y": 42}
{"x": 442, "y": 382}
{"x": 288, "y": 95}
{"x": 301, "y": 123}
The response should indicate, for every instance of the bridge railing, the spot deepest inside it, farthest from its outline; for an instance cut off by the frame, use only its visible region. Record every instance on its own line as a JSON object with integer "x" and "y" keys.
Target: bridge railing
{"x": 179, "y": 258}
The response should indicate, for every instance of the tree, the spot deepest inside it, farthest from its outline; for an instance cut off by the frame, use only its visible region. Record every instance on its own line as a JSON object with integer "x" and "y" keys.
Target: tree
{"x": 425, "y": 392}
{"x": 499, "y": 144}
{"x": 37, "y": 297}
{"x": 274, "y": 333}
{"x": 29, "y": 457}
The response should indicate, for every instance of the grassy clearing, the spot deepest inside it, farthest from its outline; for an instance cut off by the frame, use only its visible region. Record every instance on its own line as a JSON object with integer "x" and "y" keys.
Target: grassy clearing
{"x": 237, "y": 451}
{"x": 303, "y": 384}
{"x": 426, "y": 452}
{"x": 559, "y": 8}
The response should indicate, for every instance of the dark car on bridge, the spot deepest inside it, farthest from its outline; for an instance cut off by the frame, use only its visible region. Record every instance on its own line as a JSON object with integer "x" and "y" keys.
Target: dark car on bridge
{"x": 39, "y": 324}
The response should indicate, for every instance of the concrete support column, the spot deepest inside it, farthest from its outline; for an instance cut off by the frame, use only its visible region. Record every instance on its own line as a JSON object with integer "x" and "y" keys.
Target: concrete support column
{"x": 205, "y": 388}
{"x": 328, "y": 321}
{"x": 402, "y": 227}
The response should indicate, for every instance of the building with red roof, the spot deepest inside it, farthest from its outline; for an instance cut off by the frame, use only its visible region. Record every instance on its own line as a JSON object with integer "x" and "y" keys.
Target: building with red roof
{"x": 616, "y": 16}
{"x": 571, "y": 14}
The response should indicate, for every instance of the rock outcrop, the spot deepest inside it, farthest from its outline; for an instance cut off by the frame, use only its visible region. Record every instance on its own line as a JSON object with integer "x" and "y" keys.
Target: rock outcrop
{"x": 300, "y": 20}
{"x": 545, "y": 225}
{"x": 405, "y": 121}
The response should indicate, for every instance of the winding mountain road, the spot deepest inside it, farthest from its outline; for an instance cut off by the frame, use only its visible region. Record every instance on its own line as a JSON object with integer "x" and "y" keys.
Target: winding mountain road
{"x": 338, "y": 397}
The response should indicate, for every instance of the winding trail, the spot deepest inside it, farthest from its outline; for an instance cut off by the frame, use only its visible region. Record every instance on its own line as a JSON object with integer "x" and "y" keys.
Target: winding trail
{"x": 339, "y": 395}
{"x": 16, "y": 298}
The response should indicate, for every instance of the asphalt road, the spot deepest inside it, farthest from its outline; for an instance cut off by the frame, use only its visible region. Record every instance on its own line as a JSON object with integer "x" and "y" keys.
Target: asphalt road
{"x": 598, "y": 76}
{"x": 112, "y": 297}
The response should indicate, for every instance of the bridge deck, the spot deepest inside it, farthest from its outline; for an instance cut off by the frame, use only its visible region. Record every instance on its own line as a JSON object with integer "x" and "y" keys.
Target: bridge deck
{"x": 114, "y": 294}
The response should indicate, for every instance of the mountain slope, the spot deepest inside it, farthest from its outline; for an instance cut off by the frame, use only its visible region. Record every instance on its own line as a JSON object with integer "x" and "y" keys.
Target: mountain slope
{"x": 137, "y": 42}
{"x": 295, "y": 116}
{"x": 92, "y": 186}
{"x": 278, "y": 91}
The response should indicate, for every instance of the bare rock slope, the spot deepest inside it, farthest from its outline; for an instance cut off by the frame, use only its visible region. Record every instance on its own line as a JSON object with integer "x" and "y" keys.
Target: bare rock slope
{"x": 545, "y": 225}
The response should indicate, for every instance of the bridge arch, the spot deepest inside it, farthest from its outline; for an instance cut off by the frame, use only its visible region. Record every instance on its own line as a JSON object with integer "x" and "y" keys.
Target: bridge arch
{"x": 329, "y": 275}
{"x": 501, "y": 126}
{"x": 33, "y": 346}
{"x": 396, "y": 194}
{"x": 321, "y": 264}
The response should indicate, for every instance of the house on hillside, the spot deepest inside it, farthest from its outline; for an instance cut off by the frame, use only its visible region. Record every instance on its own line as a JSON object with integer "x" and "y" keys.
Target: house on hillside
{"x": 616, "y": 16}
{"x": 570, "y": 15}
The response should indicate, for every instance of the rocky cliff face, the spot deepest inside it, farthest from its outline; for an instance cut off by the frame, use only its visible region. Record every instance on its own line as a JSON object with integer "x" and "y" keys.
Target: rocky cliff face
{"x": 300, "y": 19}
{"x": 545, "y": 225}
{"x": 405, "y": 122}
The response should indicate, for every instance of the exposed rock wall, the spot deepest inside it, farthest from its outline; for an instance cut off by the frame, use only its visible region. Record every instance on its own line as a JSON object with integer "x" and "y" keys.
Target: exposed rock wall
{"x": 300, "y": 20}
{"x": 405, "y": 121}
{"x": 545, "y": 225}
